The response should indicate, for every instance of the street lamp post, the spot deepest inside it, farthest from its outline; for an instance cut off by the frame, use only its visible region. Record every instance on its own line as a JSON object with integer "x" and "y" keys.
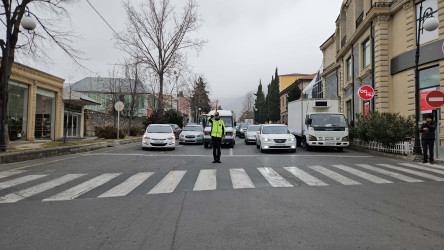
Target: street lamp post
{"x": 29, "y": 24}
{"x": 428, "y": 22}
{"x": 197, "y": 114}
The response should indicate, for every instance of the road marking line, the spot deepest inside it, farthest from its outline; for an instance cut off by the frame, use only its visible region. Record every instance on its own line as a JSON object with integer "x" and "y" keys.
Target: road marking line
{"x": 82, "y": 188}
{"x": 127, "y": 186}
{"x": 335, "y": 176}
{"x": 305, "y": 177}
{"x": 428, "y": 176}
{"x": 231, "y": 152}
{"x": 169, "y": 183}
{"x": 274, "y": 178}
{"x": 363, "y": 175}
{"x": 209, "y": 155}
{"x": 389, "y": 173}
{"x": 206, "y": 180}
{"x": 422, "y": 168}
{"x": 240, "y": 178}
{"x": 18, "y": 181}
{"x": 25, "y": 193}
{"x": 432, "y": 165}
{"x": 7, "y": 174}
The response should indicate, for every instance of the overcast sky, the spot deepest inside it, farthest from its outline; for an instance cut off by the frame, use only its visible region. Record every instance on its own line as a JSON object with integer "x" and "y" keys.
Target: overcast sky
{"x": 247, "y": 40}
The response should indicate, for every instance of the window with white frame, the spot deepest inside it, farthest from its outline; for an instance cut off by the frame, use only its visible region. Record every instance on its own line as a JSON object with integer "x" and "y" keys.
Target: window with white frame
{"x": 349, "y": 69}
{"x": 366, "y": 53}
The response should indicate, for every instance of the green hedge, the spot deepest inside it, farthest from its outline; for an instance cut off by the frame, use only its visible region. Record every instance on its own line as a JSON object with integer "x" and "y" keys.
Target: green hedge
{"x": 108, "y": 132}
{"x": 386, "y": 128}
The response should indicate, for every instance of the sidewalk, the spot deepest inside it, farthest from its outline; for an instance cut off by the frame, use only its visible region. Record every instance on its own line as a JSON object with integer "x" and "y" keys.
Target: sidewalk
{"x": 25, "y": 150}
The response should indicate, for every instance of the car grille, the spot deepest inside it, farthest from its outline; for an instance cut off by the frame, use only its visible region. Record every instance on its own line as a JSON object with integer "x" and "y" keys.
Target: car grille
{"x": 190, "y": 136}
{"x": 280, "y": 140}
{"x": 158, "y": 144}
{"x": 280, "y": 147}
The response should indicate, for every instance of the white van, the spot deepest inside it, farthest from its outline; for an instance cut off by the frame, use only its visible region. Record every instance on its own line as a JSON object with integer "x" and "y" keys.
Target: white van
{"x": 230, "y": 124}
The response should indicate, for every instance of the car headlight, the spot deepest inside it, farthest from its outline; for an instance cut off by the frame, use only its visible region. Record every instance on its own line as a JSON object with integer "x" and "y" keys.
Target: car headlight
{"x": 291, "y": 139}
{"x": 266, "y": 139}
{"x": 345, "y": 138}
{"x": 199, "y": 135}
{"x": 181, "y": 135}
{"x": 146, "y": 137}
{"x": 172, "y": 138}
{"x": 312, "y": 138}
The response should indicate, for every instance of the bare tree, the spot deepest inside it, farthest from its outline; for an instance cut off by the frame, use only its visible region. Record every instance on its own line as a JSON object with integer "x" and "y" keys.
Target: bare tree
{"x": 248, "y": 106}
{"x": 32, "y": 44}
{"x": 134, "y": 88}
{"x": 160, "y": 37}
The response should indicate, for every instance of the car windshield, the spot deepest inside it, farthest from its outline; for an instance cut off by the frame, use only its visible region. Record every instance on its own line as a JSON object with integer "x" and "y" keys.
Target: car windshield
{"x": 275, "y": 130}
{"x": 193, "y": 128}
{"x": 228, "y": 121}
{"x": 159, "y": 129}
{"x": 253, "y": 128}
{"x": 244, "y": 125}
{"x": 328, "y": 120}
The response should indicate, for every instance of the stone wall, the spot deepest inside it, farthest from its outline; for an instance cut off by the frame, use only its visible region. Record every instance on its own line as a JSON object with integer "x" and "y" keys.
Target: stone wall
{"x": 94, "y": 119}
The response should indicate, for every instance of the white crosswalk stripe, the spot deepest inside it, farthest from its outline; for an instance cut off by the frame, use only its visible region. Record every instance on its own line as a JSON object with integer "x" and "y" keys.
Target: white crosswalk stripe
{"x": 423, "y": 168}
{"x": 274, "y": 178}
{"x": 240, "y": 178}
{"x": 169, "y": 183}
{"x": 414, "y": 172}
{"x": 25, "y": 193}
{"x": 432, "y": 165}
{"x": 389, "y": 173}
{"x": 82, "y": 188}
{"x": 305, "y": 177}
{"x": 206, "y": 180}
{"x": 21, "y": 180}
{"x": 11, "y": 173}
{"x": 127, "y": 186}
{"x": 335, "y": 176}
{"x": 362, "y": 174}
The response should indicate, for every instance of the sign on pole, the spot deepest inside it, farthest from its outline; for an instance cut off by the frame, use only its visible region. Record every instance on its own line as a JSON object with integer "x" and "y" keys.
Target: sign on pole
{"x": 366, "y": 92}
{"x": 119, "y": 107}
{"x": 435, "y": 99}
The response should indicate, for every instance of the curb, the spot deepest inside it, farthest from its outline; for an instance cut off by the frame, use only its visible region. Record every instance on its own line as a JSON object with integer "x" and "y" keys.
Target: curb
{"x": 43, "y": 153}
{"x": 415, "y": 158}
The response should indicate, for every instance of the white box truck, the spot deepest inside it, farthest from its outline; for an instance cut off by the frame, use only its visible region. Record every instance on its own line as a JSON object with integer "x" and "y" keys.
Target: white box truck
{"x": 318, "y": 123}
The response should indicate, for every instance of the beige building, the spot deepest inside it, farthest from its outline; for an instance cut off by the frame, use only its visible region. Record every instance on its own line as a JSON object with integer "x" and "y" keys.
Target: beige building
{"x": 374, "y": 44}
{"x": 35, "y": 107}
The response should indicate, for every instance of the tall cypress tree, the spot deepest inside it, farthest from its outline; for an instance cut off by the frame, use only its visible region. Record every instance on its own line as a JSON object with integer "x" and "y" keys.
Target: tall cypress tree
{"x": 273, "y": 99}
{"x": 200, "y": 98}
{"x": 260, "y": 114}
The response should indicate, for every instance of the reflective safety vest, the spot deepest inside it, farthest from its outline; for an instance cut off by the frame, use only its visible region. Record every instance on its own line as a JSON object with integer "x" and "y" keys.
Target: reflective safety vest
{"x": 217, "y": 127}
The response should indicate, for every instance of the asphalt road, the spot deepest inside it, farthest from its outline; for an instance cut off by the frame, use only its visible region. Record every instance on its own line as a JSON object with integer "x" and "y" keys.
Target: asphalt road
{"x": 127, "y": 198}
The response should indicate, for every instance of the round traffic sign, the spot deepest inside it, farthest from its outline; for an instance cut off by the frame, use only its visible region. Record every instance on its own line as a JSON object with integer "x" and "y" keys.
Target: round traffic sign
{"x": 119, "y": 106}
{"x": 435, "y": 99}
{"x": 366, "y": 92}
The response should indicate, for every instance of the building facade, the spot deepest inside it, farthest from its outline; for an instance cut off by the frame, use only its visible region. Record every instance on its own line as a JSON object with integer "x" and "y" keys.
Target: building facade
{"x": 35, "y": 106}
{"x": 285, "y": 83}
{"x": 374, "y": 44}
{"x": 301, "y": 83}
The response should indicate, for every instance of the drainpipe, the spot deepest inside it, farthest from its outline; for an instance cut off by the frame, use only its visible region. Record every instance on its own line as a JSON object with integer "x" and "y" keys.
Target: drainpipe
{"x": 353, "y": 81}
{"x": 372, "y": 35}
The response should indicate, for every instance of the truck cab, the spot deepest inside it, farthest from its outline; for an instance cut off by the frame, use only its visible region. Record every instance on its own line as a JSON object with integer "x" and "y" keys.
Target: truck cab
{"x": 230, "y": 124}
{"x": 325, "y": 130}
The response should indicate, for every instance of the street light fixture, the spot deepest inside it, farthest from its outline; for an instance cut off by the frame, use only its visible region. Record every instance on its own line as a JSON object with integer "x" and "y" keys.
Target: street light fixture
{"x": 428, "y": 22}
{"x": 29, "y": 24}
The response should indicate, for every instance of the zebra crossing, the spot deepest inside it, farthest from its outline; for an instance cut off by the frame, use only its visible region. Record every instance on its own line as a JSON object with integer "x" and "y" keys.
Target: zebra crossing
{"x": 17, "y": 186}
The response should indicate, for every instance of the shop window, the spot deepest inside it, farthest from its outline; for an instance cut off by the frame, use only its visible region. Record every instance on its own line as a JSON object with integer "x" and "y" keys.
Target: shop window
{"x": 429, "y": 77}
{"x": 44, "y": 114}
{"x": 349, "y": 111}
{"x": 366, "y": 53}
{"x": 17, "y": 110}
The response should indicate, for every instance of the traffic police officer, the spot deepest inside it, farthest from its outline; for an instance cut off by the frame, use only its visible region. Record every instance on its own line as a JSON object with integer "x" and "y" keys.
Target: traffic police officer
{"x": 217, "y": 135}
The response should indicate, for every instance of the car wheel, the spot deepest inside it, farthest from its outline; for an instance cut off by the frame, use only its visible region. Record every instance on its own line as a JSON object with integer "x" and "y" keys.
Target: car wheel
{"x": 306, "y": 146}
{"x": 232, "y": 145}
{"x": 340, "y": 149}
{"x": 298, "y": 142}
{"x": 262, "y": 150}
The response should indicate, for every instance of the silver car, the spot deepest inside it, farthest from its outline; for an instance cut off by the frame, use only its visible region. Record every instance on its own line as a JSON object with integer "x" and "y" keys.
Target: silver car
{"x": 192, "y": 134}
{"x": 250, "y": 134}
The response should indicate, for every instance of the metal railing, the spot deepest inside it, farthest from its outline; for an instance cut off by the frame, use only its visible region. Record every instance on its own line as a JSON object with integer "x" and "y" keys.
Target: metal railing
{"x": 387, "y": 4}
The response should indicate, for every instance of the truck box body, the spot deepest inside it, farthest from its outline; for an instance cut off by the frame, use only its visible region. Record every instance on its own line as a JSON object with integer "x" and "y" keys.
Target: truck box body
{"x": 318, "y": 122}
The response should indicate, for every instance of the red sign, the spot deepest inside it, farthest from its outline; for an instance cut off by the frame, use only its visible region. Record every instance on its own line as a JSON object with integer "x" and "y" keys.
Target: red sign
{"x": 435, "y": 99}
{"x": 366, "y": 92}
{"x": 425, "y": 108}
{"x": 366, "y": 109}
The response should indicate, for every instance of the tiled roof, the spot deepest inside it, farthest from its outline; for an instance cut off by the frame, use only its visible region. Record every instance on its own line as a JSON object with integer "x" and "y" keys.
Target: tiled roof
{"x": 308, "y": 77}
{"x": 101, "y": 85}
{"x": 294, "y": 74}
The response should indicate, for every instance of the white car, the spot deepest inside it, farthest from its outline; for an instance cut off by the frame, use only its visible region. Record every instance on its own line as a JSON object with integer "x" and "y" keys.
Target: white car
{"x": 159, "y": 136}
{"x": 192, "y": 134}
{"x": 250, "y": 134}
{"x": 275, "y": 137}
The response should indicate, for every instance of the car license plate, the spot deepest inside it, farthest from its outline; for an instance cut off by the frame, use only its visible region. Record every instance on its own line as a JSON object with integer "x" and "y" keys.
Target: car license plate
{"x": 330, "y": 143}
{"x": 280, "y": 144}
